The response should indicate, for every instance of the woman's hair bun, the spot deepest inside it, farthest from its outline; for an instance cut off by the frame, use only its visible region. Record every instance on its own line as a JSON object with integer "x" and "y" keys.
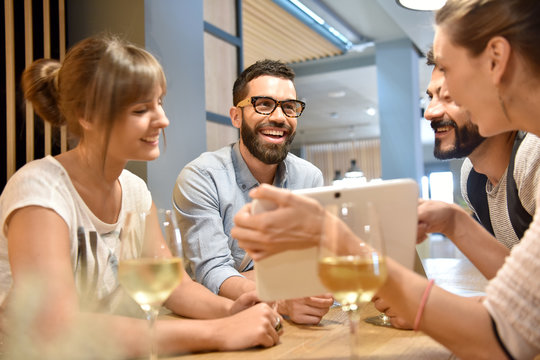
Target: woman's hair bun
{"x": 40, "y": 87}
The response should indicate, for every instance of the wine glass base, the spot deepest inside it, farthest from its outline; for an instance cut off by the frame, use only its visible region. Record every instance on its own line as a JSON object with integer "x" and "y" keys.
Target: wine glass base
{"x": 379, "y": 320}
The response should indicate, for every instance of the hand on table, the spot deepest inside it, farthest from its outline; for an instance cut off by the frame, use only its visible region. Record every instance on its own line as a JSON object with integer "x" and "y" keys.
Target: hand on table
{"x": 395, "y": 320}
{"x": 306, "y": 311}
{"x": 254, "y": 326}
{"x": 244, "y": 301}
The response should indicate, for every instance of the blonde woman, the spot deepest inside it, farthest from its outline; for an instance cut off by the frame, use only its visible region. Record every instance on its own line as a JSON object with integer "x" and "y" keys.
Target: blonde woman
{"x": 110, "y": 95}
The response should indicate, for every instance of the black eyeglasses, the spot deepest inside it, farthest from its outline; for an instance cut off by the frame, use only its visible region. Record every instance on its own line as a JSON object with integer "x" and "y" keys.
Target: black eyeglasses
{"x": 266, "y": 105}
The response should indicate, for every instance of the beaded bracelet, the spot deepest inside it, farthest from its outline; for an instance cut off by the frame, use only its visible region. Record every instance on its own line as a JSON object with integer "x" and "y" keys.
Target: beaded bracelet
{"x": 422, "y": 305}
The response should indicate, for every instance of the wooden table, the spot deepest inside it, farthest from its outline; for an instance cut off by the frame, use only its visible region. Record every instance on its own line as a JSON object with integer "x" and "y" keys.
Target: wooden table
{"x": 330, "y": 339}
{"x": 455, "y": 275}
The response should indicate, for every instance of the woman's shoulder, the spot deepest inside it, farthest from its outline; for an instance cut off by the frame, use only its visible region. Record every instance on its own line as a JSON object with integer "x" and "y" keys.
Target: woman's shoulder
{"x": 46, "y": 170}
{"x": 42, "y": 182}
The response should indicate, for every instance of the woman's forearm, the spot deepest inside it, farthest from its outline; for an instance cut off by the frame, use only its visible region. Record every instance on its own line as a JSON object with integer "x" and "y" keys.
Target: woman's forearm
{"x": 480, "y": 247}
{"x": 461, "y": 324}
{"x": 193, "y": 300}
{"x": 173, "y": 336}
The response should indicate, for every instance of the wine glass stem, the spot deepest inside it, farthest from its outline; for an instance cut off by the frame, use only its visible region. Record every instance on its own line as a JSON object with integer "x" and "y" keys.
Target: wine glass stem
{"x": 354, "y": 323}
{"x": 151, "y": 316}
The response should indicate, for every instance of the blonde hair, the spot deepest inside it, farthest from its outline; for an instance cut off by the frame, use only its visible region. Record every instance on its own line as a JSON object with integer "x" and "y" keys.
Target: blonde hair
{"x": 99, "y": 77}
{"x": 472, "y": 23}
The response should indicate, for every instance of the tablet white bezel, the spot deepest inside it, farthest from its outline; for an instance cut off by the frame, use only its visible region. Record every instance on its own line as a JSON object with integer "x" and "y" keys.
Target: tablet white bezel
{"x": 293, "y": 274}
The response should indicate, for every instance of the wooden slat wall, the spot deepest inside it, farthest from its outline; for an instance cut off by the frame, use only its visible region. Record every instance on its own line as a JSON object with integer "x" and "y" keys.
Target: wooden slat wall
{"x": 10, "y": 86}
{"x": 47, "y": 54}
{"x": 338, "y": 156}
{"x": 29, "y": 57}
{"x": 62, "y": 50}
{"x": 17, "y": 14}
{"x": 271, "y": 32}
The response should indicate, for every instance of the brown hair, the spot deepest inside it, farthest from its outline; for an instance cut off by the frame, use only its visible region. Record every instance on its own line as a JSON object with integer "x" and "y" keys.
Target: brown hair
{"x": 430, "y": 57}
{"x": 260, "y": 68}
{"x": 98, "y": 79}
{"x": 472, "y": 23}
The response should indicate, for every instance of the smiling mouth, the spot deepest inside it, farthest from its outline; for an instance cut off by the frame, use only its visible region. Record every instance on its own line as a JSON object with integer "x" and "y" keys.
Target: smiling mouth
{"x": 443, "y": 126}
{"x": 442, "y": 129}
{"x": 276, "y": 134}
{"x": 150, "y": 139}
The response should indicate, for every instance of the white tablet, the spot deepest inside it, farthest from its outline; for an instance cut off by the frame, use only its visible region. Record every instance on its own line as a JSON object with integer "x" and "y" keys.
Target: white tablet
{"x": 293, "y": 274}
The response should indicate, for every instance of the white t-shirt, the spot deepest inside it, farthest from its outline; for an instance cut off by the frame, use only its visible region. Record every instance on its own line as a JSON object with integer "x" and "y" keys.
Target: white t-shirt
{"x": 94, "y": 244}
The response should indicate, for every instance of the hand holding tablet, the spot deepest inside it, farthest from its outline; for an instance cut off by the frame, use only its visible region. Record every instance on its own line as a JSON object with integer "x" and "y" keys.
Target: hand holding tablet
{"x": 293, "y": 274}
{"x": 262, "y": 205}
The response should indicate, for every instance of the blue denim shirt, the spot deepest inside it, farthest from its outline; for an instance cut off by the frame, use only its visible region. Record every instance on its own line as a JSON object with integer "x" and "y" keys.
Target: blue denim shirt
{"x": 209, "y": 191}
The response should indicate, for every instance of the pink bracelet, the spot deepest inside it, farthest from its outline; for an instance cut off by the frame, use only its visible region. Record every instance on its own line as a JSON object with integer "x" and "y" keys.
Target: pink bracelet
{"x": 422, "y": 305}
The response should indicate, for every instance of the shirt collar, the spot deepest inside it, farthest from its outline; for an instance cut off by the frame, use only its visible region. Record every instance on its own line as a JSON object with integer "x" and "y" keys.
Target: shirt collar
{"x": 245, "y": 180}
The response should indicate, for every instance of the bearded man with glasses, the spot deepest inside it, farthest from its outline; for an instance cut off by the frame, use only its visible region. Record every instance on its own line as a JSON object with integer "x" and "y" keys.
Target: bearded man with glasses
{"x": 211, "y": 189}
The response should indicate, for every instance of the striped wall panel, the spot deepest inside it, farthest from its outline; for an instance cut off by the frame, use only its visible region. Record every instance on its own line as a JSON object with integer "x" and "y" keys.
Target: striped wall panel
{"x": 32, "y": 29}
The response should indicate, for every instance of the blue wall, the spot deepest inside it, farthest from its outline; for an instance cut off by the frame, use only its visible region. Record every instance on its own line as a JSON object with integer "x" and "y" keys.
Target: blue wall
{"x": 399, "y": 110}
{"x": 174, "y": 34}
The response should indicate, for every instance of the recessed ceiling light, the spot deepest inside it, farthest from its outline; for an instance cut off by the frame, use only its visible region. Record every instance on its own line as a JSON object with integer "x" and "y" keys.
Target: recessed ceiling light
{"x": 371, "y": 111}
{"x": 422, "y": 4}
{"x": 337, "y": 94}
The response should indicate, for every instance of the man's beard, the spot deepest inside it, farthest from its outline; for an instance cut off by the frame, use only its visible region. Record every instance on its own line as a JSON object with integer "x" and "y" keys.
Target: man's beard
{"x": 268, "y": 153}
{"x": 467, "y": 138}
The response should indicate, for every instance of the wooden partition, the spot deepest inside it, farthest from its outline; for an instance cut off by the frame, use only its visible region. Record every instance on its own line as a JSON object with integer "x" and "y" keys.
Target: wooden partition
{"x": 32, "y": 30}
{"x": 337, "y": 156}
{"x": 222, "y": 64}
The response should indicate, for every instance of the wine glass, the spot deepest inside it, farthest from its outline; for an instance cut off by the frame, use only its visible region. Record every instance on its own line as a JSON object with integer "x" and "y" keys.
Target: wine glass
{"x": 351, "y": 259}
{"x": 381, "y": 320}
{"x": 146, "y": 270}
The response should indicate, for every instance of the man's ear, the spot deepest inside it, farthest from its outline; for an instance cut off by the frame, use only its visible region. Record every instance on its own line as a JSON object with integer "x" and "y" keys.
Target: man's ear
{"x": 498, "y": 51}
{"x": 236, "y": 116}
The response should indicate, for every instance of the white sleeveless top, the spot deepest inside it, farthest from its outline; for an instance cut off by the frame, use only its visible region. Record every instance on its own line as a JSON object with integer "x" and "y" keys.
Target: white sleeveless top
{"x": 94, "y": 244}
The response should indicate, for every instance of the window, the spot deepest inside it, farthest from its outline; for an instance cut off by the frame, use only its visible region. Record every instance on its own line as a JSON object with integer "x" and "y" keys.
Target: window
{"x": 441, "y": 186}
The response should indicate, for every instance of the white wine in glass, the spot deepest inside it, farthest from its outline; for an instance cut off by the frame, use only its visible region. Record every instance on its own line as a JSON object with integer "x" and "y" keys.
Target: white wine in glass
{"x": 352, "y": 279}
{"x": 147, "y": 270}
{"x": 351, "y": 260}
{"x": 150, "y": 281}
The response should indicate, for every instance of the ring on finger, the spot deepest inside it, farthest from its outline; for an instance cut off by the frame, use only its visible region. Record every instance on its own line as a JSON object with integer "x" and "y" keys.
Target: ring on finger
{"x": 278, "y": 325}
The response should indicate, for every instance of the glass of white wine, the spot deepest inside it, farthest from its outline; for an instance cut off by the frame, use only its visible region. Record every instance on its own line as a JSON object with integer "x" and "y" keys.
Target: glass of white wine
{"x": 351, "y": 260}
{"x": 381, "y": 320}
{"x": 147, "y": 270}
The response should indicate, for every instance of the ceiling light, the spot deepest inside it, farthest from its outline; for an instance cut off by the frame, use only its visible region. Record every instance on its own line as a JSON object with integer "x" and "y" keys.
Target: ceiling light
{"x": 361, "y": 47}
{"x": 422, "y": 4}
{"x": 315, "y": 22}
{"x": 371, "y": 111}
{"x": 308, "y": 11}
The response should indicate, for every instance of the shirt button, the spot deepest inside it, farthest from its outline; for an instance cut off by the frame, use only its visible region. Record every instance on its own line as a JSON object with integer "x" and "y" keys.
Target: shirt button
{"x": 244, "y": 187}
